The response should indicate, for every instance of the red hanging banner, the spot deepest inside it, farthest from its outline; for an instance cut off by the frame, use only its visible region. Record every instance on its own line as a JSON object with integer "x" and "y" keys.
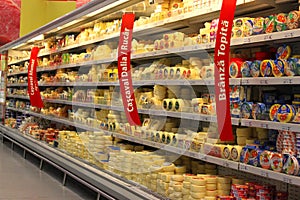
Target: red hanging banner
{"x": 33, "y": 88}
{"x": 124, "y": 70}
{"x": 222, "y": 53}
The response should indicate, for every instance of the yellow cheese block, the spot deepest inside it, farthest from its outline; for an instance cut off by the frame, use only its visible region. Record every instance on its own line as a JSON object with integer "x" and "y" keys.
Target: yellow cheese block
{"x": 243, "y": 132}
{"x": 198, "y": 181}
{"x": 198, "y": 195}
{"x": 211, "y": 186}
{"x": 212, "y": 193}
{"x": 178, "y": 178}
{"x": 197, "y": 188}
{"x": 168, "y": 167}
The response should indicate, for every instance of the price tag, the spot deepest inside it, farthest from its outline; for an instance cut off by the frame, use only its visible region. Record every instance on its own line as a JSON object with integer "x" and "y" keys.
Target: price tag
{"x": 288, "y": 81}
{"x": 208, "y": 46}
{"x": 268, "y": 37}
{"x": 194, "y": 154}
{"x": 264, "y": 174}
{"x": 225, "y": 164}
{"x": 263, "y": 125}
{"x": 289, "y": 35}
{"x": 264, "y": 82}
{"x": 287, "y": 180}
{"x": 244, "y": 167}
{"x": 286, "y": 128}
{"x": 248, "y": 123}
{"x": 247, "y": 40}
{"x": 195, "y": 47}
{"x": 203, "y": 157}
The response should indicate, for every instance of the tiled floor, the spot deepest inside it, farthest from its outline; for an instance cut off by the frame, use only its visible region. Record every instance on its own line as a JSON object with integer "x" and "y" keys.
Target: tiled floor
{"x": 21, "y": 180}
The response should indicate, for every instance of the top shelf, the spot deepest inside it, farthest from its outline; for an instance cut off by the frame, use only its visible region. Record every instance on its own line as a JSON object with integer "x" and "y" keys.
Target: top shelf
{"x": 171, "y": 23}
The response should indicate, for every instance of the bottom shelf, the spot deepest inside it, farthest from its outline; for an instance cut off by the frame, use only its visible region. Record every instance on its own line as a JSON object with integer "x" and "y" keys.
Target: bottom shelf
{"x": 104, "y": 183}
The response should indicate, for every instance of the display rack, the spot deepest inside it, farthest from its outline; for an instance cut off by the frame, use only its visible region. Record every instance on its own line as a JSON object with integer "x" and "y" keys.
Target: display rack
{"x": 112, "y": 184}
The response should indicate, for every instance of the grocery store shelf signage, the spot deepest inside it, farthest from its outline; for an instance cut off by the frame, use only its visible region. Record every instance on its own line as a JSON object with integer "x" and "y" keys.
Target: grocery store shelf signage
{"x": 124, "y": 70}
{"x": 222, "y": 50}
{"x": 33, "y": 88}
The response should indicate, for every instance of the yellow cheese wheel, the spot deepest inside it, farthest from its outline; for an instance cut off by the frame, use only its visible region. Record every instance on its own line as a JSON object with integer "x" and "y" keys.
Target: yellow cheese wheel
{"x": 223, "y": 192}
{"x": 154, "y": 176}
{"x": 241, "y": 140}
{"x": 198, "y": 195}
{"x": 212, "y": 193}
{"x": 223, "y": 186}
{"x": 221, "y": 179}
{"x": 175, "y": 195}
{"x": 185, "y": 191}
{"x": 198, "y": 181}
{"x": 168, "y": 167}
{"x": 237, "y": 181}
{"x": 165, "y": 186}
{"x": 197, "y": 188}
{"x": 211, "y": 180}
{"x": 166, "y": 178}
{"x": 172, "y": 183}
{"x": 243, "y": 132}
{"x": 212, "y": 186}
{"x": 177, "y": 187}
{"x": 186, "y": 184}
{"x": 178, "y": 178}
{"x": 188, "y": 177}
{"x": 180, "y": 169}
{"x": 186, "y": 197}
{"x": 210, "y": 198}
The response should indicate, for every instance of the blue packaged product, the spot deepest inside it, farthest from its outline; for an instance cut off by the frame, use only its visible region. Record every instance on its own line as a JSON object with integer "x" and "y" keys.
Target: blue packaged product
{"x": 246, "y": 110}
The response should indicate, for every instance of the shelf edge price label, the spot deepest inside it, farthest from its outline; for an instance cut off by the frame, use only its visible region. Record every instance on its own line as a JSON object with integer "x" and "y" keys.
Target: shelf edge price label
{"x": 244, "y": 167}
{"x": 287, "y": 180}
{"x": 264, "y": 174}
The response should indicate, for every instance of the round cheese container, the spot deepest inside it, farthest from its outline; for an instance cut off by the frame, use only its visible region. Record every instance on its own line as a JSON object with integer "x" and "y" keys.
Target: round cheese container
{"x": 279, "y": 68}
{"x": 258, "y": 25}
{"x": 285, "y": 113}
{"x": 235, "y": 68}
{"x": 255, "y": 68}
{"x": 269, "y": 24}
{"x": 245, "y": 155}
{"x": 290, "y": 164}
{"x": 266, "y": 67}
{"x": 264, "y": 159}
{"x": 283, "y": 52}
{"x": 254, "y": 157}
{"x": 246, "y": 110}
{"x": 293, "y": 19}
{"x": 245, "y": 69}
{"x": 273, "y": 112}
{"x": 281, "y": 22}
{"x": 259, "y": 111}
{"x": 276, "y": 162}
{"x": 290, "y": 69}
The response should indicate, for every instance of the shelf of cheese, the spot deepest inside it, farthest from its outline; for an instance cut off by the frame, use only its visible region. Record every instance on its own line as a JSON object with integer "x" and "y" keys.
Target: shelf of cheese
{"x": 270, "y": 125}
{"x": 167, "y": 23}
{"x": 124, "y": 189}
{"x": 294, "y": 180}
{"x": 194, "y": 49}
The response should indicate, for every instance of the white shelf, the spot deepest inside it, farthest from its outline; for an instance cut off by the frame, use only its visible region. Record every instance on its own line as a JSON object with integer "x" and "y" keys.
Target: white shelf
{"x": 17, "y": 84}
{"x": 290, "y": 179}
{"x": 291, "y": 80}
{"x": 270, "y": 125}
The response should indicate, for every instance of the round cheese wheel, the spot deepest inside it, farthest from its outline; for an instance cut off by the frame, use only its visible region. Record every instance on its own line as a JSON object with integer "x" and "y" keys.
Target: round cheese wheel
{"x": 212, "y": 193}
{"x": 166, "y": 178}
{"x": 209, "y": 198}
{"x": 211, "y": 180}
{"x": 241, "y": 140}
{"x": 178, "y": 178}
{"x": 211, "y": 186}
{"x": 188, "y": 177}
{"x": 198, "y": 195}
{"x": 198, "y": 181}
{"x": 223, "y": 180}
{"x": 185, "y": 191}
{"x": 223, "y": 192}
{"x": 223, "y": 186}
{"x": 165, "y": 186}
{"x": 168, "y": 167}
{"x": 186, "y": 184}
{"x": 243, "y": 132}
{"x": 180, "y": 169}
{"x": 197, "y": 188}
{"x": 177, "y": 187}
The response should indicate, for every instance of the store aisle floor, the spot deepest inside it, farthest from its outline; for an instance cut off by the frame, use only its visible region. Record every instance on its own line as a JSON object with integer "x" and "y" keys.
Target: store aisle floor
{"x": 21, "y": 180}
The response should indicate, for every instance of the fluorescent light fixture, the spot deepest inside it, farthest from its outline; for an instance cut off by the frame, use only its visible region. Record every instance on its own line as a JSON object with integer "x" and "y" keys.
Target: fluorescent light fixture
{"x": 110, "y": 6}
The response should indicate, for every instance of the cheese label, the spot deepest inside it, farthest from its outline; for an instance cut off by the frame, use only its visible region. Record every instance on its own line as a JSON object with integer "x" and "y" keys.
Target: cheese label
{"x": 124, "y": 70}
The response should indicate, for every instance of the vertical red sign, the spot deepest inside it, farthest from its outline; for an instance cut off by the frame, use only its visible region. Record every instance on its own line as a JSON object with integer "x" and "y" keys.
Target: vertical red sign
{"x": 124, "y": 70}
{"x": 33, "y": 88}
{"x": 222, "y": 53}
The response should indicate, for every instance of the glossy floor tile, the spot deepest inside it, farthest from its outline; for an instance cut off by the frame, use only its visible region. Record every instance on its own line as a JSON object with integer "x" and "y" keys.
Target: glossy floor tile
{"x": 22, "y": 180}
